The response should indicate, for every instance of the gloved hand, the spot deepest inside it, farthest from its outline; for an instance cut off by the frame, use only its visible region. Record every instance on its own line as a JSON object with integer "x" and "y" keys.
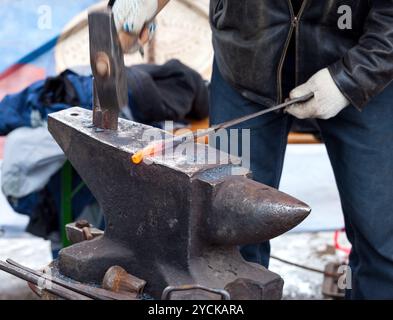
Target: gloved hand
{"x": 133, "y": 17}
{"x": 328, "y": 100}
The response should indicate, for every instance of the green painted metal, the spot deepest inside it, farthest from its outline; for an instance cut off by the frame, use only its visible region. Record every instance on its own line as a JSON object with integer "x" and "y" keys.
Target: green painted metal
{"x": 66, "y": 204}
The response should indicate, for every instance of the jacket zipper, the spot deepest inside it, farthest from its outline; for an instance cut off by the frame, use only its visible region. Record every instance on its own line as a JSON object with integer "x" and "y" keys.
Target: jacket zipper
{"x": 294, "y": 23}
{"x": 297, "y": 41}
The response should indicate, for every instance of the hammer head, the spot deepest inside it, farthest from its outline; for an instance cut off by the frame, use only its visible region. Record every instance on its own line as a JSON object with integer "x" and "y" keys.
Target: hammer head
{"x": 107, "y": 63}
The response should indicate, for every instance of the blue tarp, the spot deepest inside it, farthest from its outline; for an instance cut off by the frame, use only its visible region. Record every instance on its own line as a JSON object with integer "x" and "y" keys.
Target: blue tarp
{"x": 27, "y": 25}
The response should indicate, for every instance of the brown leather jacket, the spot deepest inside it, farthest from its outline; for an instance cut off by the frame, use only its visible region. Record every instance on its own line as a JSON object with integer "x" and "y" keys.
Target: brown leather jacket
{"x": 251, "y": 39}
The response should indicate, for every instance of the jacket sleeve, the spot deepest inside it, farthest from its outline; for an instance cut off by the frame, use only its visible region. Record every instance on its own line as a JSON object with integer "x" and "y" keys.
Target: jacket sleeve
{"x": 367, "y": 68}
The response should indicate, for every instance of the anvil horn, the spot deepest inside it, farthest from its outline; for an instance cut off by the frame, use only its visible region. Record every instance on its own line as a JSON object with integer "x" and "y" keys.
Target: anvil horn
{"x": 244, "y": 211}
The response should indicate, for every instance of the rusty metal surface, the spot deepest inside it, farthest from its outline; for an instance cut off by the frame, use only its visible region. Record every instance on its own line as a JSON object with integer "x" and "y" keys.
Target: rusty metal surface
{"x": 78, "y": 234}
{"x": 54, "y": 289}
{"x": 170, "y": 222}
{"x": 107, "y": 63}
{"x": 69, "y": 290}
{"x": 116, "y": 279}
{"x": 194, "y": 292}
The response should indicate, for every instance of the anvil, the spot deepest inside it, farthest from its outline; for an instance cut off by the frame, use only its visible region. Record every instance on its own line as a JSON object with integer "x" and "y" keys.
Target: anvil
{"x": 171, "y": 222}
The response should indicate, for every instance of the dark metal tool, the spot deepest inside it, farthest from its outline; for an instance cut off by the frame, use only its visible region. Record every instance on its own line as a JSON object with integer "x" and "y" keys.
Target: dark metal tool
{"x": 157, "y": 147}
{"x": 53, "y": 288}
{"x": 117, "y": 279}
{"x": 237, "y": 121}
{"x": 107, "y": 63}
{"x": 63, "y": 289}
{"x": 171, "y": 222}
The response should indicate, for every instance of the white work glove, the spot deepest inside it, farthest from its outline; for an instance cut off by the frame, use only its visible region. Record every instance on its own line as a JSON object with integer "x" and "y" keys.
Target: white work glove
{"x": 132, "y": 15}
{"x": 328, "y": 100}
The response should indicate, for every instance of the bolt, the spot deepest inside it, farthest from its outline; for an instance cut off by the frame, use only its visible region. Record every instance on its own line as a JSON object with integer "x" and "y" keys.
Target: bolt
{"x": 117, "y": 279}
{"x": 82, "y": 224}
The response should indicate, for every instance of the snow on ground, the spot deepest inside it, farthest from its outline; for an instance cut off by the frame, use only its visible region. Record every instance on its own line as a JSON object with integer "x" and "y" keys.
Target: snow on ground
{"x": 21, "y": 247}
{"x": 310, "y": 249}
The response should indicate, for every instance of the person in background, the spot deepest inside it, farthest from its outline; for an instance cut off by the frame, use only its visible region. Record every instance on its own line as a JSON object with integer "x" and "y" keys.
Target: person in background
{"x": 342, "y": 51}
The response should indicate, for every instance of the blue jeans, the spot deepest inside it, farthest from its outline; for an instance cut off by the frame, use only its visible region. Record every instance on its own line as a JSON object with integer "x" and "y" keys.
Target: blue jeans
{"x": 360, "y": 148}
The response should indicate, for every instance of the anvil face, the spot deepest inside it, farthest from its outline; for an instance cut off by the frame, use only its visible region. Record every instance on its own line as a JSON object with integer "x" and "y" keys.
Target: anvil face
{"x": 170, "y": 222}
